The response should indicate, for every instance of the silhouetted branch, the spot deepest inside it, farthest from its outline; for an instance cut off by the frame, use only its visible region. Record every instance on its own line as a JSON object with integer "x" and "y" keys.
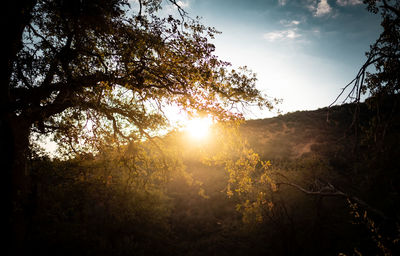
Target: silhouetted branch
{"x": 181, "y": 11}
{"x": 391, "y": 8}
{"x": 330, "y": 191}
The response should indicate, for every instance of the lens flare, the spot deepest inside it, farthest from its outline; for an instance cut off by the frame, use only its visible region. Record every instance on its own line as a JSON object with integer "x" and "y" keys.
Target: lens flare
{"x": 199, "y": 128}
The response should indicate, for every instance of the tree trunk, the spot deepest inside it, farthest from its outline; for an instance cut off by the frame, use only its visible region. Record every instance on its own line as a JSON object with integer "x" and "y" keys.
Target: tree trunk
{"x": 14, "y": 132}
{"x": 15, "y": 145}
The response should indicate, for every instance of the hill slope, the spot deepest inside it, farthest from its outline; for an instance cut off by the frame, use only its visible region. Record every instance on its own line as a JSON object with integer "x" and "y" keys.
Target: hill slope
{"x": 295, "y": 134}
{"x": 126, "y": 202}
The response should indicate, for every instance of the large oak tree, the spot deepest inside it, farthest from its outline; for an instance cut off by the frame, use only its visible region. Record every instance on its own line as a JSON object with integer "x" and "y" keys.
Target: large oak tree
{"x": 70, "y": 63}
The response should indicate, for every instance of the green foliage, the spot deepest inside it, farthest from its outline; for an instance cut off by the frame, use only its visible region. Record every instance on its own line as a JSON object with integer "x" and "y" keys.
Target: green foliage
{"x": 382, "y": 243}
{"x": 384, "y": 54}
{"x": 310, "y": 151}
{"x": 98, "y": 76}
{"x": 379, "y": 75}
{"x": 97, "y": 72}
{"x": 100, "y": 206}
{"x": 110, "y": 204}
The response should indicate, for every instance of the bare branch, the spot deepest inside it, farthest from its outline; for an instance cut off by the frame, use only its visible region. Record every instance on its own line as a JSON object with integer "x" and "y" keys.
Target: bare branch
{"x": 330, "y": 191}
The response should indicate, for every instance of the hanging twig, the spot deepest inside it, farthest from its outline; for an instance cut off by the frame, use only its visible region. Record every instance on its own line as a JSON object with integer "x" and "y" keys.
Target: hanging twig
{"x": 331, "y": 191}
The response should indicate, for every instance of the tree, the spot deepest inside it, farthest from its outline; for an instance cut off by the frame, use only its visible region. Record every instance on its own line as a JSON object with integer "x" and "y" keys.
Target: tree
{"x": 383, "y": 57}
{"x": 378, "y": 78}
{"x": 385, "y": 53}
{"x": 97, "y": 70}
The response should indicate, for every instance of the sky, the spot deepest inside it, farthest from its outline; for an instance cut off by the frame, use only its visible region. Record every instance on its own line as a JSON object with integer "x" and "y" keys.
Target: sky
{"x": 303, "y": 51}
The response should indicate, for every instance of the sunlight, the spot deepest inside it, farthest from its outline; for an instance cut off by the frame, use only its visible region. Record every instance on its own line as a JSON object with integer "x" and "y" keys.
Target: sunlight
{"x": 199, "y": 128}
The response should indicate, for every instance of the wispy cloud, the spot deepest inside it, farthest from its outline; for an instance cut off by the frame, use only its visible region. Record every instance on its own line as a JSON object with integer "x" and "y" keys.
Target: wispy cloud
{"x": 348, "y": 2}
{"x": 281, "y": 35}
{"x": 295, "y": 22}
{"x": 282, "y": 2}
{"x": 289, "y": 23}
{"x": 288, "y": 33}
{"x": 183, "y": 4}
{"x": 170, "y": 8}
{"x": 319, "y": 8}
{"x": 323, "y": 8}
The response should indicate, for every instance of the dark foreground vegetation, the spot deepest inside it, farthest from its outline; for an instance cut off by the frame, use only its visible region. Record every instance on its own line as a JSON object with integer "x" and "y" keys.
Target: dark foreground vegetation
{"x": 98, "y": 205}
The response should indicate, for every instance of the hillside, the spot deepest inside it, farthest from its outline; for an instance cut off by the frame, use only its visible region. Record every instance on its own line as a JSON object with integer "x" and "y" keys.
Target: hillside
{"x": 296, "y": 134}
{"x": 126, "y": 203}
{"x": 311, "y": 149}
{"x": 358, "y": 154}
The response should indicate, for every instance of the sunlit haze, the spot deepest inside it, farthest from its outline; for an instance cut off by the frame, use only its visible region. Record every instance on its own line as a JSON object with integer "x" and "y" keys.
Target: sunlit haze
{"x": 198, "y": 128}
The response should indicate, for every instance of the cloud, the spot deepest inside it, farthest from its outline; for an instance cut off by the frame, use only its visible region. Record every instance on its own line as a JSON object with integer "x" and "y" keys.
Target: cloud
{"x": 348, "y": 2}
{"x": 323, "y": 8}
{"x": 183, "y": 4}
{"x": 320, "y": 7}
{"x": 281, "y": 35}
{"x": 282, "y": 2}
{"x": 170, "y": 7}
{"x": 295, "y": 22}
{"x": 289, "y": 23}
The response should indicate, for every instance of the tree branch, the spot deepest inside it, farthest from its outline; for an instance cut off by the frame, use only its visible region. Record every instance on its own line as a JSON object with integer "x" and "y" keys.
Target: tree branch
{"x": 391, "y": 8}
{"x": 330, "y": 191}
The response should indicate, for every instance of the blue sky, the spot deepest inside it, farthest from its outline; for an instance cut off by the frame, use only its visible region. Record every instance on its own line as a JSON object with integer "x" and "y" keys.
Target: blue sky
{"x": 303, "y": 51}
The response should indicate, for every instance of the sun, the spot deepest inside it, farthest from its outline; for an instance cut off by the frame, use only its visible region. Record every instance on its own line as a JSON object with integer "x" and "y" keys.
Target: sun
{"x": 199, "y": 128}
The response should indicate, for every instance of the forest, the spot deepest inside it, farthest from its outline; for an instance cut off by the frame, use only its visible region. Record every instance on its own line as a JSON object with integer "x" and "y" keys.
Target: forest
{"x": 97, "y": 77}
{"x": 107, "y": 204}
